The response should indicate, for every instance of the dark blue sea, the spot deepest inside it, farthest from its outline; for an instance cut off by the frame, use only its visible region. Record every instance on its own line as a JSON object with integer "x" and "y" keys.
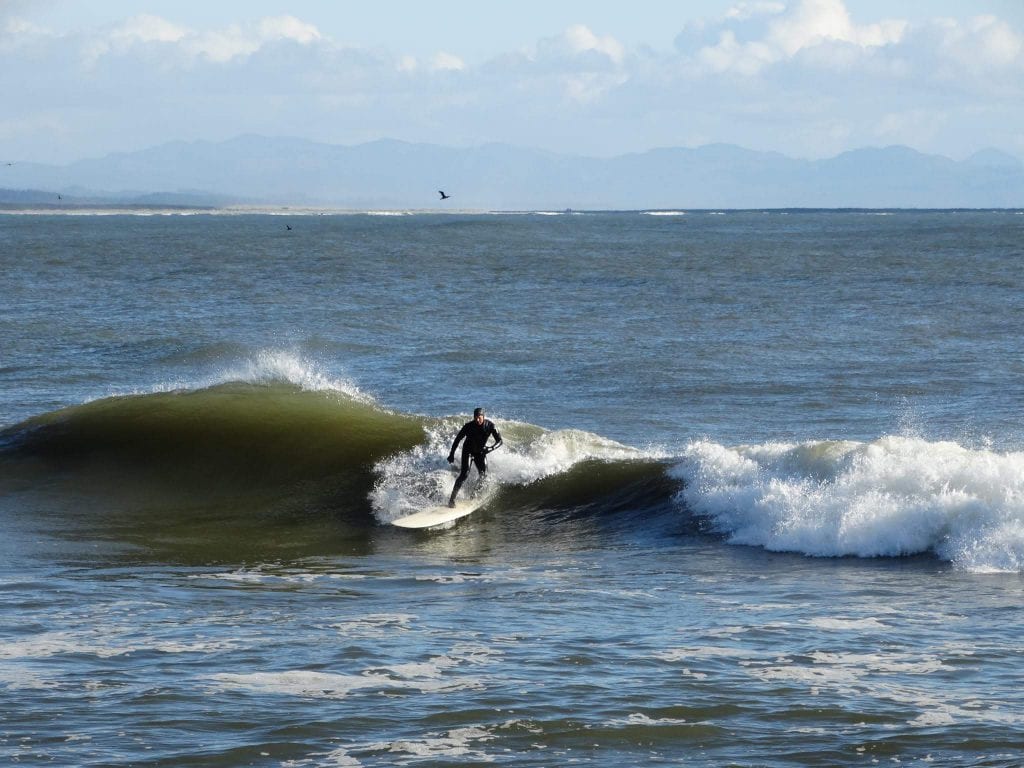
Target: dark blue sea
{"x": 760, "y": 500}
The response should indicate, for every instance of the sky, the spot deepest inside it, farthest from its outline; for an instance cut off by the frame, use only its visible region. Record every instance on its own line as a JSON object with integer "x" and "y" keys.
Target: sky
{"x": 807, "y": 78}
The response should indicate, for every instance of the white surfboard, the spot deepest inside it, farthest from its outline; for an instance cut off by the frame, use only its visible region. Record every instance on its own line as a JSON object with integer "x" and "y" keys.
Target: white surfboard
{"x": 431, "y": 516}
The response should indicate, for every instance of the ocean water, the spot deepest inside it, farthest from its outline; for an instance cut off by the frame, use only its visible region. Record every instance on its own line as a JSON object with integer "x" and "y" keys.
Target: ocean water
{"x": 760, "y": 502}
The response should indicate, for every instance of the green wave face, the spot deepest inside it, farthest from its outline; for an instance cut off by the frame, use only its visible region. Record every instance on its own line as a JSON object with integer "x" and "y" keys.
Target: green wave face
{"x": 230, "y": 437}
{"x": 225, "y": 473}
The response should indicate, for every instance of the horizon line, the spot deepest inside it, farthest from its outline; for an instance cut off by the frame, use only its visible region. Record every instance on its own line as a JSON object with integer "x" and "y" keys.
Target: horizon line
{"x": 127, "y": 209}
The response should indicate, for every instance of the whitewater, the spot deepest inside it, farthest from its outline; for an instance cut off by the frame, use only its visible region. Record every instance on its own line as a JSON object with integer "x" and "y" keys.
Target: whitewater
{"x": 760, "y": 500}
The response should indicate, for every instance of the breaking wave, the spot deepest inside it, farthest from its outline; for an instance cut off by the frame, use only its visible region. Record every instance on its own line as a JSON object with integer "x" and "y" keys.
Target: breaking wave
{"x": 890, "y": 497}
{"x": 273, "y": 439}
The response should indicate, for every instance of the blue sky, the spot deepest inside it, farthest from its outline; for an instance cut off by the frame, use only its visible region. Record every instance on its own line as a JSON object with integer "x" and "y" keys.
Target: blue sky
{"x": 808, "y": 78}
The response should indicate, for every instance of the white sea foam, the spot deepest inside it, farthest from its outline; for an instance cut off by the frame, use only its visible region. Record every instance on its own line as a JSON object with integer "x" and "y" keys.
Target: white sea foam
{"x": 639, "y": 718}
{"x": 933, "y": 719}
{"x": 326, "y": 685}
{"x": 438, "y": 674}
{"x": 104, "y": 642}
{"x": 894, "y": 496}
{"x": 664, "y": 213}
{"x": 701, "y": 652}
{"x": 304, "y": 683}
{"x": 458, "y": 742}
{"x": 375, "y": 625}
{"x": 14, "y": 677}
{"x": 842, "y": 625}
{"x": 889, "y": 676}
{"x": 336, "y": 758}
{"x": 835, "y": 668}
{"x": 421, "y": 477}
{"x": 259, "y": 576}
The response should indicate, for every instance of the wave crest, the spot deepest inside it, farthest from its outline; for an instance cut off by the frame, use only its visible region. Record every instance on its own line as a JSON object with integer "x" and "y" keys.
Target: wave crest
{"x": 267, "y": 367}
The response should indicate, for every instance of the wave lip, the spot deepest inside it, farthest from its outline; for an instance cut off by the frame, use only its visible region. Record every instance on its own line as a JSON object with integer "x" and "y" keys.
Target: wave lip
{"x": 272, "y": 366}
{"x": 890, "y": 497}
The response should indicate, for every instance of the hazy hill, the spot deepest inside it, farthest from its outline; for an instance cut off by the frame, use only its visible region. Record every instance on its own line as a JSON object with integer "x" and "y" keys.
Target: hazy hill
{"x": 395, "y": 174}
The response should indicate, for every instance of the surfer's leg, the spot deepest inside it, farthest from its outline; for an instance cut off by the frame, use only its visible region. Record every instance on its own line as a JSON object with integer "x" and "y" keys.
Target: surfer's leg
{"x": 481, "y": 467}
{"x": 461, "y": 478}
{"x": 455, "y": 491}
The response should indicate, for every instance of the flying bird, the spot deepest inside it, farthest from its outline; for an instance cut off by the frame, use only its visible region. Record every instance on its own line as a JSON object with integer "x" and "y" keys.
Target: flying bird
{"x": 442, "y": 194}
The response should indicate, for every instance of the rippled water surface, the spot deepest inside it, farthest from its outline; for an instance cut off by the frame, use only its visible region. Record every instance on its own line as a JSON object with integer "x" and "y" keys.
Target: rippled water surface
{"x": 759, "y": 502}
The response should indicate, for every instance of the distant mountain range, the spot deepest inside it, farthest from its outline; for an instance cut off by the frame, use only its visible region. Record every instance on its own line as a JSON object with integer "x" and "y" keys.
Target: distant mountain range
{"x": 391, "y": 174}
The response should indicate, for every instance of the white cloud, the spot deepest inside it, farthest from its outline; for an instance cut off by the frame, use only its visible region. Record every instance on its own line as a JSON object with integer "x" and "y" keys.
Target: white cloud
{"x": 804, "y": 77}
{"x": 581, "y": 39}
{"x": 896, "y": 127}
{"x": 222, "y": 45}
{"x": 815, "y": 21}
{"x": 148, "y": 29}
{"x": 18, "y": 28}
{"x": 731, "y": 55}
{"x": 442, "y": 61}
{"x": 575, "y": 68}
{"x": 591, "y": 87}
{"x": 288, "y": 28}
{"x": 805, "y": 25}
{"x": 137, "y": 30}
{"x": 215, "y": 45}
{"x": 744, "y": 11}
{"x": 577, "y": 48}
{"x": 983, "y": 42}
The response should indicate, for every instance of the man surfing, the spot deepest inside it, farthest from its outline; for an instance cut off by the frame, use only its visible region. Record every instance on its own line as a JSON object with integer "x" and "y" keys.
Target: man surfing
{"x": 476, "y": 433}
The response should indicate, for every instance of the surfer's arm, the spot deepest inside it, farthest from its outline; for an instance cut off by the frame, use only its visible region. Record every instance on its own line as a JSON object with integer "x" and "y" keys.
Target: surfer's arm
{"x": 455, "y": 445}
{"x": 497, "y": 439}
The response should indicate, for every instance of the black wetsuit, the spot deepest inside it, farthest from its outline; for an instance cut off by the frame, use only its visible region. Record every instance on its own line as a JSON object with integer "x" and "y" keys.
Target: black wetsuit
{"x": 475, "y": 448}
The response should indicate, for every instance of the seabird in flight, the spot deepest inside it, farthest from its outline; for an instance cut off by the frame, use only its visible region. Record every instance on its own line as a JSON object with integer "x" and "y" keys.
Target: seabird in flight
{"x": 442, "y": 194}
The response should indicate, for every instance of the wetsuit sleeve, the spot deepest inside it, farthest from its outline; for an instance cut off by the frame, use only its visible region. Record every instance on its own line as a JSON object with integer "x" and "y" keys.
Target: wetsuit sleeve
{"x": 458, "y": 439}
{"x": 496, "y": 435}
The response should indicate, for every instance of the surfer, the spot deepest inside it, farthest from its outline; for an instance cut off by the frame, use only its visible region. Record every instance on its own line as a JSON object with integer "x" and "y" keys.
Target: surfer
{"x": 476, "y": 433}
